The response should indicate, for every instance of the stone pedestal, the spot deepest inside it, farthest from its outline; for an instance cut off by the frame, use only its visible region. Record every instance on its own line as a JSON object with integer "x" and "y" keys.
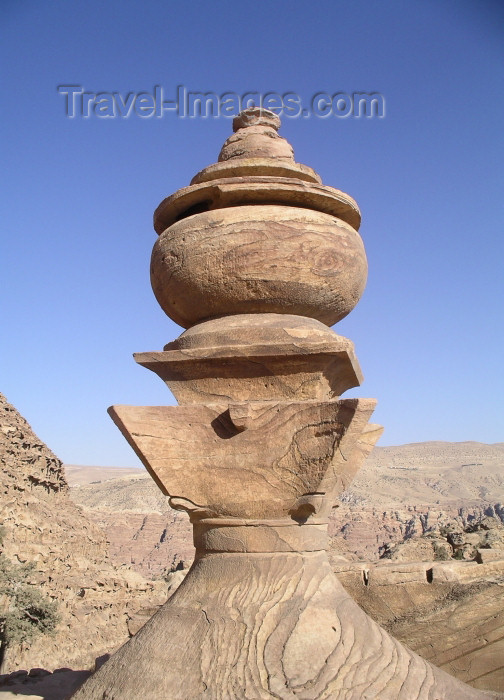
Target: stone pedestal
{"x": 261, "y": 615}
{"x": 256, "y": 259}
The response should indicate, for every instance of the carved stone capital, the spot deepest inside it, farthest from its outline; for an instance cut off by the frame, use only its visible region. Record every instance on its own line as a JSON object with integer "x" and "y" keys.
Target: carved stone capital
{"x": 254, "y": 459}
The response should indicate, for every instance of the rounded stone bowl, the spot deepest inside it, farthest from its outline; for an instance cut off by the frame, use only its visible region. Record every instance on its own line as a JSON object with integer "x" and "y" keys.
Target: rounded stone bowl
{"x": 258, "y": 259}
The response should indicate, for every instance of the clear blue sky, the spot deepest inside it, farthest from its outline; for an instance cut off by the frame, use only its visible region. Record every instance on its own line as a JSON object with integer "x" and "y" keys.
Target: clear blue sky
{"x": 78, "y": 197}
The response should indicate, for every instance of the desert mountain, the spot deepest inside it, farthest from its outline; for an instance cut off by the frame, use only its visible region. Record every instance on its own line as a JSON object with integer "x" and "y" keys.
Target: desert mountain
{"x": 403, "y": 492}
{"x": 431, "y": 473}
{"x": 78, "y": 475}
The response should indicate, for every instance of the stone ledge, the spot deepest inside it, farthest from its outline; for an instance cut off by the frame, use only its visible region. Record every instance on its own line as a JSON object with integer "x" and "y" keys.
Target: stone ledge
{"x": 390, "y": 573}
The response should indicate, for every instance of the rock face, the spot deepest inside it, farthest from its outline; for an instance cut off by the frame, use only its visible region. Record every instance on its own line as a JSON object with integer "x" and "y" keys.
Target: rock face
{"x": 366, "y": 532}
{"x": 451, "y": 541}
{"x": 256, "y": 458}
{"x": 142, "y": 530}
{"x": 403, "y": 596}
{"x": 43, "y": 525}
{"x": 150, "y": 543}
{"x": 404, "y": 492}
{"x": 398, "y": 594}
{"x": 450, "y": 613}
{"x": 464, "y": 633}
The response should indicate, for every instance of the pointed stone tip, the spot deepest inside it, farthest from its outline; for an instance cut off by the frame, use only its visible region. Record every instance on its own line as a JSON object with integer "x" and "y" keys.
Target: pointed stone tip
{"x": 256, "y": 116}
{"x": 255, "y": 136}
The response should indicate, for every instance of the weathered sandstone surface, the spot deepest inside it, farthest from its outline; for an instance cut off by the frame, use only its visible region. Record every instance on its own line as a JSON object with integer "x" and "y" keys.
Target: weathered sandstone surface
{"x": 450, "y": 612}
{"x": 97, "y": 601}
{"x": 260, "y": 447}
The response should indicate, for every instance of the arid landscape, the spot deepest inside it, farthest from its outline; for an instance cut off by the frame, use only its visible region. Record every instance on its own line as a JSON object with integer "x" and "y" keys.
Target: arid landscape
{"x": 393, "y": 523}
{"x": 401, "y": 492}
{"x": 255, "y": 249}
{"x": 417, "y": 540}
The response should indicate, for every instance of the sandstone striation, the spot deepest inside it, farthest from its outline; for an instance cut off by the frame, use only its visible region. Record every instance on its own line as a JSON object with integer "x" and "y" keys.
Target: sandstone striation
{"x": 397, "y": 594}
{"x": 449, "y": 612}
{"x": 95, "y": 599}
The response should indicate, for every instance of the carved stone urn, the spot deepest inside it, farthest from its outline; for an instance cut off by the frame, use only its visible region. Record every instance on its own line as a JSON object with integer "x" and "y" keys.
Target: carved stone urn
{"x": 256, "y": 259}
{"x": 248, "y": 237}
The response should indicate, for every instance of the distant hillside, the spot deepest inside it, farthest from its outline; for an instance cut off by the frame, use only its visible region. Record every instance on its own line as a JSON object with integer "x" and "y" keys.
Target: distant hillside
{"x": 420, "y": 472}
{"x": 80, "y": 475}
{"x": 400, "y": 492}
{"x": 431, "y": 473}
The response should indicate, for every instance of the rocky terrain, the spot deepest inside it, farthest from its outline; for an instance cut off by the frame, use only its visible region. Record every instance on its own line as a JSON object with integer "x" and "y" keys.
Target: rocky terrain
{"x": 449, "y": 611}
{"x": 401, "y": 493}
{"x": 98, "y": 604}
{"x": 402, "y": 541}
{"x": 405, "y": 491}
{"x": 473, "y": 542}
{"x": 142, "y": 530}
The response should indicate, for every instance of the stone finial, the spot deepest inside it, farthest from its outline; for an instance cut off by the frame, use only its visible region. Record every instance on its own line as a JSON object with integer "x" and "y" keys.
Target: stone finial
{"x": 255, "y": 136}
{"x": 255, "y": 149}
{"x": 252, "y": 235}
{"x": 256, "y": 116}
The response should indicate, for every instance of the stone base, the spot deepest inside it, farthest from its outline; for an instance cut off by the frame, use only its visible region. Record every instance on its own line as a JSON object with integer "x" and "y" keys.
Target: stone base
{"x": 264, "y": 625}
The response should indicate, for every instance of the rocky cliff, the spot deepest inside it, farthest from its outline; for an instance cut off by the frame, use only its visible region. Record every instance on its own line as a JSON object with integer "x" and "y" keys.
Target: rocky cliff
{"x": 142, "y": 529}
{"x": 98, "y": 603}
{"x": 450, "y": 612}
{"x": 367, "y": 531}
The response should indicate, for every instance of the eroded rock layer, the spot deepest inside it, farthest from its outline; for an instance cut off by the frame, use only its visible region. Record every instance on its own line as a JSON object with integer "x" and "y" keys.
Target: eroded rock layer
{"x": 96, "y": 600}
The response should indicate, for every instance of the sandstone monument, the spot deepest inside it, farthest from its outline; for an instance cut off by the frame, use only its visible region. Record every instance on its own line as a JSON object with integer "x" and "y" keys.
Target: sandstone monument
{"x": 257, "y": 259}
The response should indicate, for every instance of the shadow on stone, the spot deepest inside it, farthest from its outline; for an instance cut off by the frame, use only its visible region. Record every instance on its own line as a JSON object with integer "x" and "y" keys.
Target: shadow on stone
{"x": 39, "y": 683}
